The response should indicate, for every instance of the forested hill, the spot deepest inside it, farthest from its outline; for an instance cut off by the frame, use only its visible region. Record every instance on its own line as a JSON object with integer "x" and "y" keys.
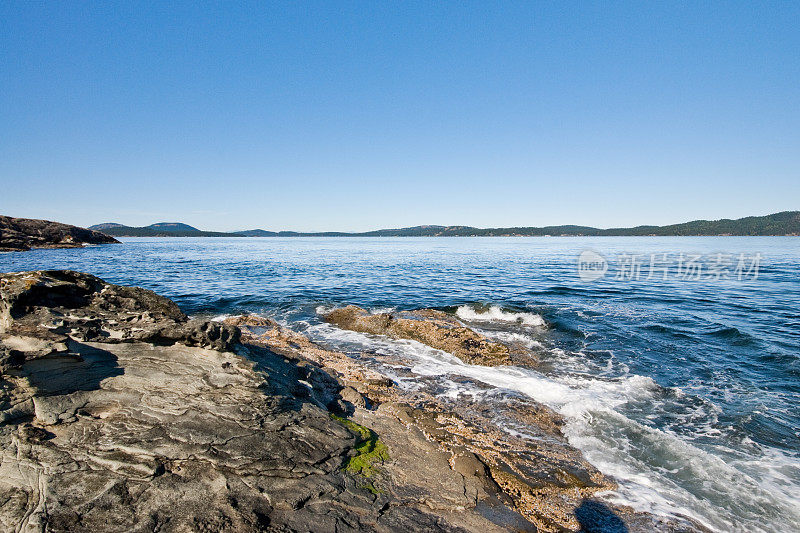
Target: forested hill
{"x": 784, "y": 223}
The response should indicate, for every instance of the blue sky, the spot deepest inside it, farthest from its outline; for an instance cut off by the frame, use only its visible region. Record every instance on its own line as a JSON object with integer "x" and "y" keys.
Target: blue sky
{"x": 364, "y": 115}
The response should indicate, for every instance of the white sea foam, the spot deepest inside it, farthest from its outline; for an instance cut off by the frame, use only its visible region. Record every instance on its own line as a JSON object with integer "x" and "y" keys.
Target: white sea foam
{"x": 324, "y": 309}
{"x": 658, "y": 471}
{"x": 496, "y": 314}
{"x": 380, "y": 310}
{"x": 512, "y": 337}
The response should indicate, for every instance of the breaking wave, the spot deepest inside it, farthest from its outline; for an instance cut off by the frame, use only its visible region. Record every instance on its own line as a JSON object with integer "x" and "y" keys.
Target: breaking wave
{"x": 495, "y": 314}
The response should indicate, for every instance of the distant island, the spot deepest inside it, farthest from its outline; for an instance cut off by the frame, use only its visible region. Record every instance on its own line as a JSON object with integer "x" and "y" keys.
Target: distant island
{"x": 161, "y": 229}
{"x": 777, "y": 224}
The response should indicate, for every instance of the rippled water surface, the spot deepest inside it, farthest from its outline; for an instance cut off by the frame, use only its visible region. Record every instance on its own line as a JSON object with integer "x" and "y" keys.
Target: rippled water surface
{"x": 685, "y": 390}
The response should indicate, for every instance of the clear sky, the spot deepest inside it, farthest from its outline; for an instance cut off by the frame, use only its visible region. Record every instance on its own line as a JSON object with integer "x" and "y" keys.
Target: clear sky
{"x": 365, "y": 115}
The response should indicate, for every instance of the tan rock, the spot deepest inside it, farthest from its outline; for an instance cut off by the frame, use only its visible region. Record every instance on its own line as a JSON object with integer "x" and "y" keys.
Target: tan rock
{"x": 434, "y": 328}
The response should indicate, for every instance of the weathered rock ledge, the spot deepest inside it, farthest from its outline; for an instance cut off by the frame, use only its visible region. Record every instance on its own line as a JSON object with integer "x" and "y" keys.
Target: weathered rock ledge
{"x": 20, "y": 234}
{"x": 119, "y": 413}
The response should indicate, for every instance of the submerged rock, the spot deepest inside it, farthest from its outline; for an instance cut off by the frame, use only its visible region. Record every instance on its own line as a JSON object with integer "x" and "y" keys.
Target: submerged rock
{"x": 434, "y": 328}
{"x": 20, "y": 234}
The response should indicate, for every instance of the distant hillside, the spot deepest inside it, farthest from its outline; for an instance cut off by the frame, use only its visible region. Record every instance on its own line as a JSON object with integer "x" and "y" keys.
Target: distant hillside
{"x": 107, "y": 225}
{"x": 161, "y": 229}
{"x": 256, "y": 233}
{"x": 784, "y": 223}
{"x": 264, "y": 233}
{"x": 172, "y": 226}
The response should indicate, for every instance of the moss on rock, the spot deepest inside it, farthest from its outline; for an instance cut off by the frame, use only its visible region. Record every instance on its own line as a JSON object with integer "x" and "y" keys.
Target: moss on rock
{"x": 370, "y": 450}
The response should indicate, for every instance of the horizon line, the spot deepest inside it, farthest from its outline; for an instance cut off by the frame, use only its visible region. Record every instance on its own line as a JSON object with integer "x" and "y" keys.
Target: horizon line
{"x": 453, "y": 226}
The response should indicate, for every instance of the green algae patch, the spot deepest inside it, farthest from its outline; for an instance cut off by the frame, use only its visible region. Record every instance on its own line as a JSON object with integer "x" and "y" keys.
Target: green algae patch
{"x": 370, "y": 450}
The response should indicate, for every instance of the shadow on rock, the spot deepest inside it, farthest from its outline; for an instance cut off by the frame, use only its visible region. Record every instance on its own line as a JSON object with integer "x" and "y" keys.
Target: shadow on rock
{"x": 297, "y": 382}
{"x": 83, "y": 368}
{"x": 596, "y": 517}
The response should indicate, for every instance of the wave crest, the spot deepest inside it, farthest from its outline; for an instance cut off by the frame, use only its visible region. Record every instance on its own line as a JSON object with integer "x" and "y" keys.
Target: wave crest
{"x": 495, "y": 314}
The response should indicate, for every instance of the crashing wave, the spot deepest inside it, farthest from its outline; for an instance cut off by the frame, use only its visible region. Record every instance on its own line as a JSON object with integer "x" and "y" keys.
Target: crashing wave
{"x": 496, "y": 314}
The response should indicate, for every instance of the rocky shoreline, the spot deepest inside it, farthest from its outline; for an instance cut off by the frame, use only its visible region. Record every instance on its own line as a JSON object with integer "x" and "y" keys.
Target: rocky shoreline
{"x": 22, "y": 234}
{"x": 119, "y": 412}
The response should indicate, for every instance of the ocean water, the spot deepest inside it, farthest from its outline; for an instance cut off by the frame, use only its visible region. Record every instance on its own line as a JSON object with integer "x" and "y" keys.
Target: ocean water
{"x": 678, "y": 374}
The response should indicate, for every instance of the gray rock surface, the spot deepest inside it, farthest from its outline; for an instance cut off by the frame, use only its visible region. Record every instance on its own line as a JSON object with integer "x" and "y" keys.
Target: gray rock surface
{"x": 20, "y": 234}
{"x": 47, "y": 308}
{"x": 117, "y": 413}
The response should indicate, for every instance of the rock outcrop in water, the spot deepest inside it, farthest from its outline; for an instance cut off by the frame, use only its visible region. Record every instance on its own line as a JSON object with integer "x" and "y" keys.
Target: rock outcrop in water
{"x": 119, "y": 413}
{"x": 434, "y": 328}
{"x": 20, "y": 234}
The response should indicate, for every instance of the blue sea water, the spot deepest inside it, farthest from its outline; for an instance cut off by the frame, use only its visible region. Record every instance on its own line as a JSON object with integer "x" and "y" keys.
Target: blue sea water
{"x": 684, "y": 389}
